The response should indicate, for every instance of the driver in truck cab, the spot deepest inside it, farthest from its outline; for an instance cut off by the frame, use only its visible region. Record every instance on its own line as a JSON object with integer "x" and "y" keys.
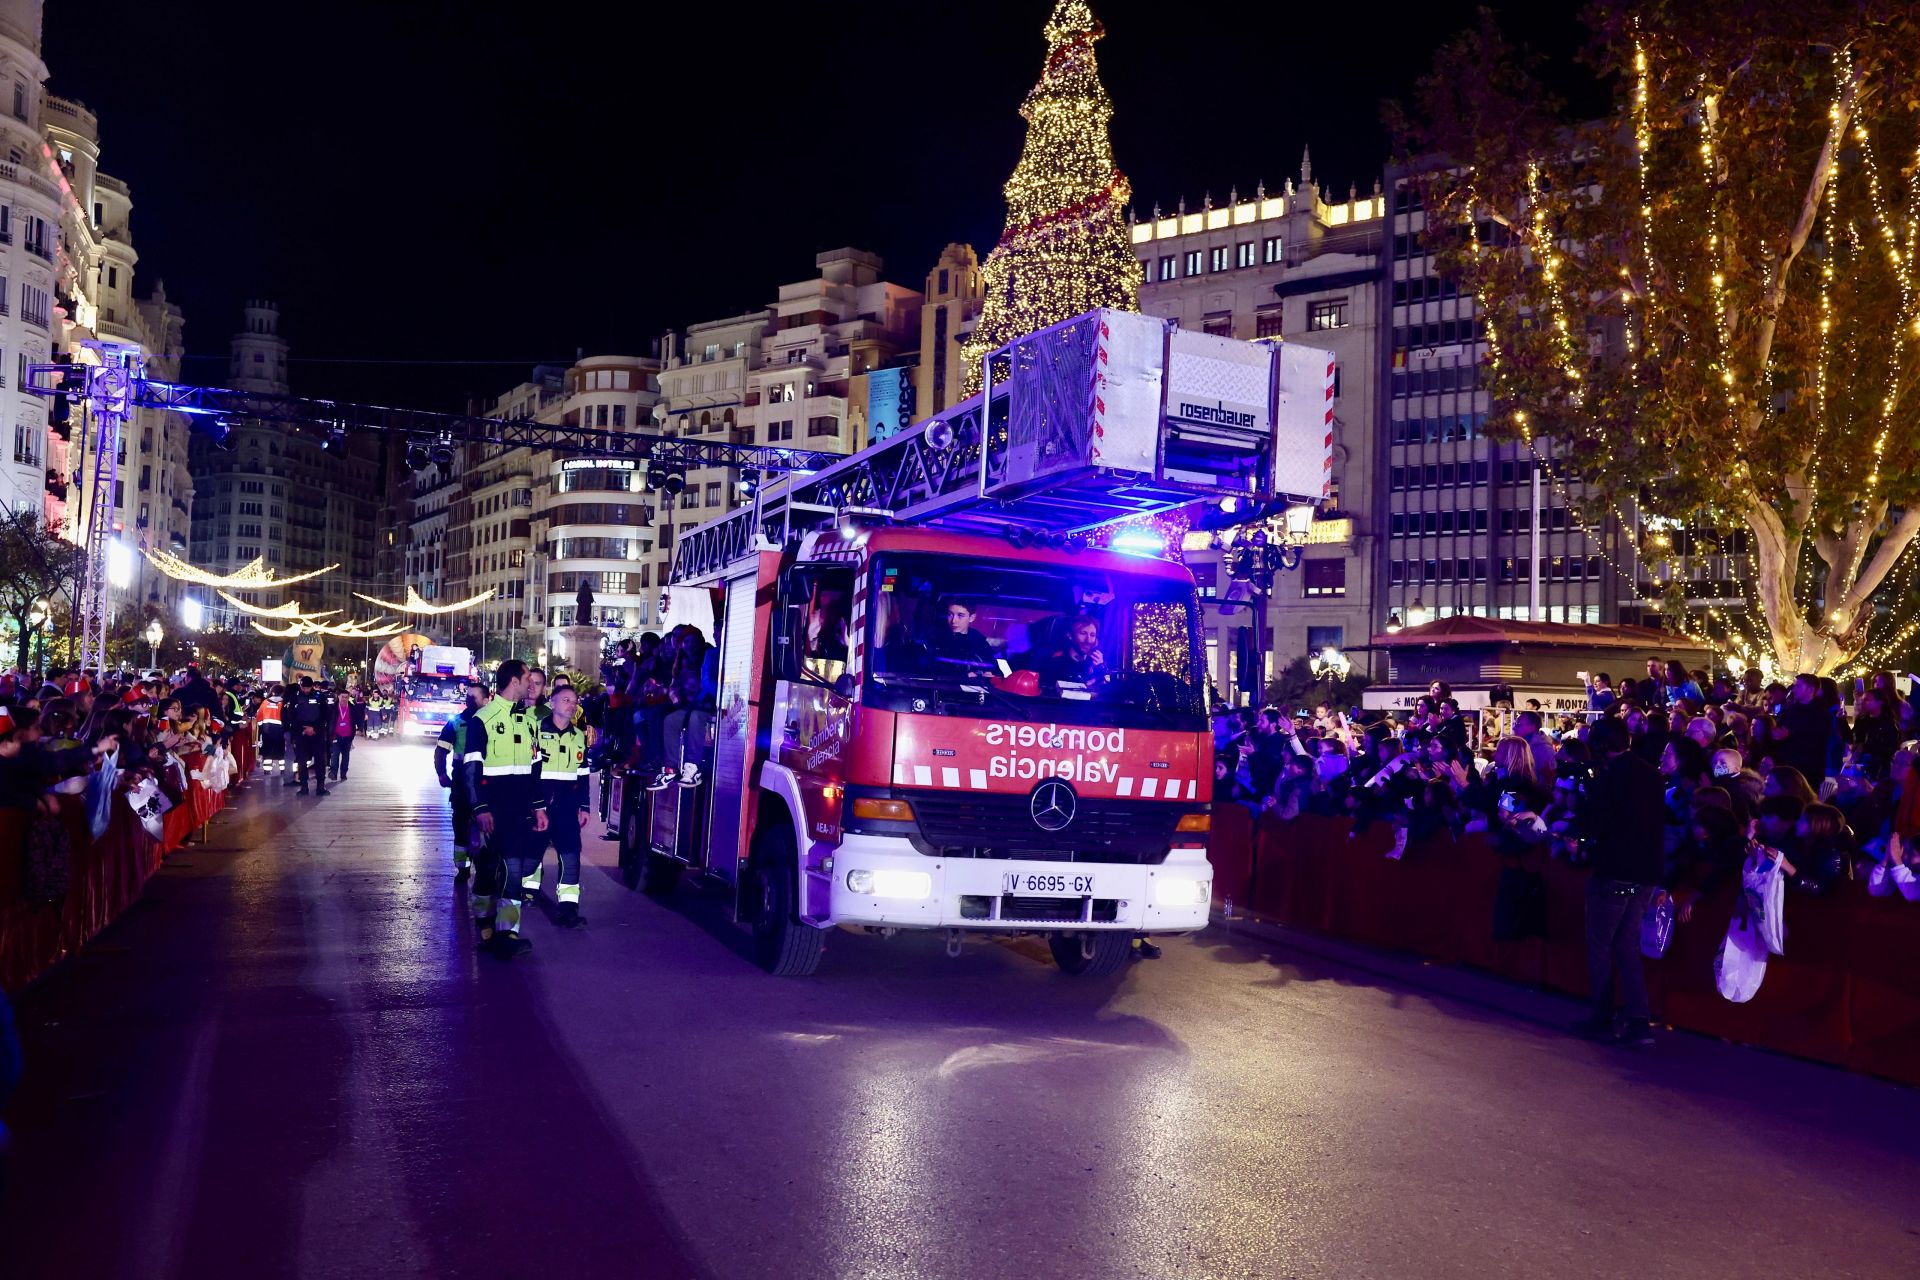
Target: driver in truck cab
{"x": 960, "y": 643}
{"x": 1080, "y": 660}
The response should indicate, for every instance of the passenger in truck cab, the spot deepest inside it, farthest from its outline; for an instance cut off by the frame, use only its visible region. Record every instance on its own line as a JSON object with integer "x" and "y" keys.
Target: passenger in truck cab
{"x": 1079, "y": 661}
{"x": 826, "y": 629}
{"x": 960, "y": 643}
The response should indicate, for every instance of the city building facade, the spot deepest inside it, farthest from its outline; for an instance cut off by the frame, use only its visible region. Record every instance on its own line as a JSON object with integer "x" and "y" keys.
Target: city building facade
{"x": 1295, "y": 266}
{"x": 1471, "y": 525}
{"x": 954, "y": 295}
{"x": 594, "y": 516}
{"x": 789, "y": 374}
{"x": 267, "y": 492}
{"x": 67, "y": 278}
{"x": 489, "y": 525}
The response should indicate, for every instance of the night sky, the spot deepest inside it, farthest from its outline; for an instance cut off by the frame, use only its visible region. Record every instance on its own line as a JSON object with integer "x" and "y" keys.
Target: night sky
{"x": 423, "y": 184}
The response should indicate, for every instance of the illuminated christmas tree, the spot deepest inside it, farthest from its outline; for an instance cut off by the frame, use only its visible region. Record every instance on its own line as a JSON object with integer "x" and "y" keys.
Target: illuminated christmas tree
{"x": 1065, "y": 249}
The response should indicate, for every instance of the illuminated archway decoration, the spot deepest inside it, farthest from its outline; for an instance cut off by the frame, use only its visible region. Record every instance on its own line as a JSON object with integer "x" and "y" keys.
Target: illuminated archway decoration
{"x": 253, "y": 576}
{"x": 289, "y": 610}
{"x": 414, "y": 604}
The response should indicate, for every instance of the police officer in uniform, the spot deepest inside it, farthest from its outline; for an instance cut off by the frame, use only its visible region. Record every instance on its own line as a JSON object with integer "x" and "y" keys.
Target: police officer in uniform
{"x": 311, "y": 729}
{"x": 448, "y": 752}
{"x": 501, "y": 771}
{"x": 564, "y": 781}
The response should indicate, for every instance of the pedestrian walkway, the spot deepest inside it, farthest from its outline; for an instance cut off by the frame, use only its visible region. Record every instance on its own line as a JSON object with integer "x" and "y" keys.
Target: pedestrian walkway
{"x": 288, "y": 1061}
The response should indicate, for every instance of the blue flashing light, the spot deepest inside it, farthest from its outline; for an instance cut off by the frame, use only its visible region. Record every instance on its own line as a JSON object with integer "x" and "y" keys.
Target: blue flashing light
{"x": 1138, "y": 542}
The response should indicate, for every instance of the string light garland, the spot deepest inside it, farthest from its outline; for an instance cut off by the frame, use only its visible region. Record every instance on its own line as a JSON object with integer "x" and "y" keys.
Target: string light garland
{"x": 346, "y": 630}
{"x": 291, "y": 609}
{"x": 1065, "y": 249}
{"x": 253, "y": 576}
{"x": 414, "y": 604}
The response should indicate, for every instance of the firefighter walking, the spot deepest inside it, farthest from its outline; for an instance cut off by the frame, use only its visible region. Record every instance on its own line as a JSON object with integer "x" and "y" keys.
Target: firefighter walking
{"x": 448, "y": 753}
{"x": 564, "y": 784}
{"x": 501, "y": 771}
{"x": 273, "y": 734}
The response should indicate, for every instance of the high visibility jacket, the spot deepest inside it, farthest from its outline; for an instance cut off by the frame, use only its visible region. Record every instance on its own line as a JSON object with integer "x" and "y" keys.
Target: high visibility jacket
{"x": 269, "y": 712}
{"x": 501, "y": 763}
{"x": 563, "y": 767}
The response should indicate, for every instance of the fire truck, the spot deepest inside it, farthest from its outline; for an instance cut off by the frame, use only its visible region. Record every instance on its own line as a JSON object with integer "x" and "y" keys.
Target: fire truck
{"x": 946, "y": 694}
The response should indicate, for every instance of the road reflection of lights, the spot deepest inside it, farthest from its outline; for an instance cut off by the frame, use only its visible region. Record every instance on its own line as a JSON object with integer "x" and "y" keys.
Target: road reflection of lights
{"x": 886, "y": 1166}
{"x": 1022, "y": 1053}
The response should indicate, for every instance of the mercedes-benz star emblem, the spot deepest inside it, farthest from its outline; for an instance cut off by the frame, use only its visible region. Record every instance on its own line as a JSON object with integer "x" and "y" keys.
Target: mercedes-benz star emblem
{"x": 1053, "y": 805}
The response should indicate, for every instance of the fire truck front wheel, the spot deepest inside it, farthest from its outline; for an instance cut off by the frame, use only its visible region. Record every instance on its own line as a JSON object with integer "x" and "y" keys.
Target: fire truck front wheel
{"x": 783, "y": 945}
{"x": 1091, "y": 955}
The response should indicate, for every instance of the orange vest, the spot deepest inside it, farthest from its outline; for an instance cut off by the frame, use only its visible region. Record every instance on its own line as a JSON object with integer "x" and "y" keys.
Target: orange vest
{"x": 269, "y": 713}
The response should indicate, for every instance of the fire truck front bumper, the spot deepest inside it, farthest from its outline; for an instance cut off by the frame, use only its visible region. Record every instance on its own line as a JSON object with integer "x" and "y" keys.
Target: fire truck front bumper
{"x": 881, "y": 881}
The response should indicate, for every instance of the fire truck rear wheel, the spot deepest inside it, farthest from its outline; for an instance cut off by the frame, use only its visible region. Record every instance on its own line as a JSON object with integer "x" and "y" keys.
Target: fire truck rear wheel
{"x": 783, "y": 945}
{"x": 1110, "y": 948}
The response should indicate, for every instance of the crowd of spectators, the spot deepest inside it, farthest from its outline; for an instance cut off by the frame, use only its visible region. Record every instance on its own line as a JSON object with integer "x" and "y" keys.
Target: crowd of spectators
{"x": 1825, "y": 778}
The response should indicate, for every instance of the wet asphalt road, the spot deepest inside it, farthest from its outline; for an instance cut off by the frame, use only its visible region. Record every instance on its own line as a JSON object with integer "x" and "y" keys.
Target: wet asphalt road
{"x": 287, "y": 1061}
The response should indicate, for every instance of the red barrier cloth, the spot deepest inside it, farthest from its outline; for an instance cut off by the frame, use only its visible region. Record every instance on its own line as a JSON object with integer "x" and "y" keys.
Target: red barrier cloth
{"x": 1842, "y": 993}
{"x": 1230, "y": 851}
{"x": 105, "y": 876}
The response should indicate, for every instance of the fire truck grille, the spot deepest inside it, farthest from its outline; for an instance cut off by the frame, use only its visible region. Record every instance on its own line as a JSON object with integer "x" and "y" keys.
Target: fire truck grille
{"x": 968, "y": 824}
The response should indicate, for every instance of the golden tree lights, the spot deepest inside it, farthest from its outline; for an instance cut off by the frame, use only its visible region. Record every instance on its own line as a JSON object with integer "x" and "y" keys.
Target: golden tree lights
{"x": 1065, "y": 249}
{"x": 1707, "y": 301}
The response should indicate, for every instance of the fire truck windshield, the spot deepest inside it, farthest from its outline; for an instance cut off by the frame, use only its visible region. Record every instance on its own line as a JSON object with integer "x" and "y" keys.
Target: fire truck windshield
{"x": 1090, "y": 644}
{"x": 436, "y": 689}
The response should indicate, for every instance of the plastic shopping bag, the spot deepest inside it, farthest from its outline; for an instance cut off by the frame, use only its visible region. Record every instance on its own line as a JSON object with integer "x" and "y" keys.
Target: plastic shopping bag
{"x": 150, "y": 804}
{"x": 1656, "y": 927}
{"x": 1764, "y": 887}
{"x": 1741, "y": 964}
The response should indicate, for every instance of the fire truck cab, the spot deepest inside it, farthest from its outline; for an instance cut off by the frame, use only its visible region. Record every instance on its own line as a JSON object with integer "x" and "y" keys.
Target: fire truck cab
{"x": 940, "y": 702}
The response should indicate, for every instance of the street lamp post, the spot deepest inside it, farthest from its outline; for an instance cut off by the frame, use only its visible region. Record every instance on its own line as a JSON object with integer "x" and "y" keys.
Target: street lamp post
{"x": 155, "y": 634}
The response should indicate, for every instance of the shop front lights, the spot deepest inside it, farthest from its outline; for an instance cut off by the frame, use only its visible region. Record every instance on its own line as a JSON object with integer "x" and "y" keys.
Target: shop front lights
{"x": 889, "y": 882}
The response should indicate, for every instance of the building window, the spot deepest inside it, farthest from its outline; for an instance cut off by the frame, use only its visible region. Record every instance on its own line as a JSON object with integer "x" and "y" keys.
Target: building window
{"x": 33, "y": 305}
{"x": 1193, "y": 262}
{"x": 1331, "y": 314}
{"x": 1270, "y": 250}
{"x": 779, "y": 431}
{"x": 1221, "y": 326}
{"x": 1325, "y": 577}
{"x": 1169, "y": 268}
{"x": 26, "y": 445}
{"x": 1243, "y": 254}
{"x": 1146, "y": 271}
{"x": 713, "y": 493}
{"x": 817, "y": 427}
{"x": 1320, "y": 639}
{"x": 1267, "y": 324}
{"x": 1217, "y": 258}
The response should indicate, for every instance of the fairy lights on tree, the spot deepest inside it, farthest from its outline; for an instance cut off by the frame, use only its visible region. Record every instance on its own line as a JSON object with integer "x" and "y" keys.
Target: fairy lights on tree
{"x": 1065, "y": 248}
{"x": 1709, "y": 299}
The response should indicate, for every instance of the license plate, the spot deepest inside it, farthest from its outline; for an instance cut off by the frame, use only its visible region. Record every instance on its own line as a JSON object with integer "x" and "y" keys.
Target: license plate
{"x": 1031, "y": 883}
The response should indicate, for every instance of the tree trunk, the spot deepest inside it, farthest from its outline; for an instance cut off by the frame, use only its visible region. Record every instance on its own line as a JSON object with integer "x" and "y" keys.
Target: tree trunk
{"x": 1822, "y": 645}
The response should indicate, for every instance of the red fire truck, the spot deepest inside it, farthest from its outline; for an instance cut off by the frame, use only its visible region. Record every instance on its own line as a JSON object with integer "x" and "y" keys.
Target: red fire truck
{"x": 941, "y": 702}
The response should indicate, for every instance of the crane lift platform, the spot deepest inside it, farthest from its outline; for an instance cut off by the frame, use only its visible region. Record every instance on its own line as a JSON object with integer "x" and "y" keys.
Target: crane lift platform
{"x": 936, "y": 702}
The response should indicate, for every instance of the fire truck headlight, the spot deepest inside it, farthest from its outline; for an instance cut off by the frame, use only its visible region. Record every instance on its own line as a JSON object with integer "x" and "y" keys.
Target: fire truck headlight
{"x": 1177, "y": 891}
{"x": 890, "y": 883}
